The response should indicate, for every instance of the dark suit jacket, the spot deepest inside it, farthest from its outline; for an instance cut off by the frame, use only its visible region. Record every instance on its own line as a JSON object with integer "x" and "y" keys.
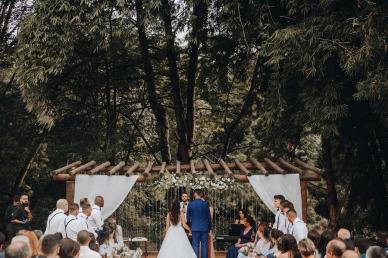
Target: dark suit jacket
{"x": 198, "y": 215}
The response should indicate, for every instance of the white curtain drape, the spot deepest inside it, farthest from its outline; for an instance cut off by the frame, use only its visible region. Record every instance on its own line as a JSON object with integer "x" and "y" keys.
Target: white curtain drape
{"x": 114, "y": 189}
{"x": 268, "y": 186}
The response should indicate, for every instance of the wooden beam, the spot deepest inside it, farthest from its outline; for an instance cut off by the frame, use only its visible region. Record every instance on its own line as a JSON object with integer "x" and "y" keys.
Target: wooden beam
{"x": 259, "y": 166}
{"x": 116, "y": 168}
{"x": 303, "y": 192}
{"x": 132, "y": 169}
{"x": 63, "y": 169}
{"x": 289, "y": 166}
{"x": 146, "y": 172}
{"x": 82, "y": 168}
{"x": 70, "y": 188}
{"x": 208, "y": 167}
{"x": 99, "y": 168}
{"x": 242, "y": 167}
{"x": 178, "y": 167}
{"x": 228, "y": 172}
{"x": 162, "y": 168}
{"x": 306, "y": 166}
{"x": 192, "y": 168}
{"x": 274, "y": 167}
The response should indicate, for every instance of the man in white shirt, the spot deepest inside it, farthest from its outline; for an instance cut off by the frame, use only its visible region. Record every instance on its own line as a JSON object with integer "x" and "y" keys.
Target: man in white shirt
{"x": 57, "y": 218}
{"x": 280, "y": 218}
{"x": 83, "y": 217}
{"x": 95, "y": 219}
{"x": 185, "y": 202}
{"x": 72, "y": 225}
{"x": 83, "y": 239}
{"x": 298, "y": 227}
{"x": 285, "y": 206}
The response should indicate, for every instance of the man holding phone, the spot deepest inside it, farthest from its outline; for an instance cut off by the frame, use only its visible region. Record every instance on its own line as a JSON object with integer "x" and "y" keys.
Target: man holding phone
{"x": 21, "y": 217}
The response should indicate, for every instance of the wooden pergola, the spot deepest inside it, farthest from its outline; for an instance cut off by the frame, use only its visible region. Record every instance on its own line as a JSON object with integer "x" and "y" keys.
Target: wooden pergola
{"x": 237, "y": 169}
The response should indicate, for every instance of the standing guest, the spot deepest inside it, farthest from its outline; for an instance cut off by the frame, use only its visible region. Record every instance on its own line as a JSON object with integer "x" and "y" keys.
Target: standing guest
{"x": 95, "y": 218}
{"x": 343, "y": 234}
{"x": 247, "y": 236}
{"x": 84, "y": 241}
{"x": 18, "y": 250}
{"x": 84, "y": 216}
{"x": 68, "y": 248}
{"x": 50, "y": 246}
{"x": 82, "y": 202}
{"x": 280, "y": 219}
{"x": 350, "y": 254}
{"x": 33, "y": 241}
{"x": 57, "y": 218}
{"x": 306, "y": 248}
{"x": 325, "y": 238}
{"x": 335, "y": 248}
{"x": 285, "y": 206}
{"x": 71, "y": 226}
{"x": 297, "y": 227}
{"x": 376, "y": 252}
{"x": 21, "y": 217}
{"x": 2, "y": 244}
{"x": 287, "y": 246}
{"x": 8, "y": 216}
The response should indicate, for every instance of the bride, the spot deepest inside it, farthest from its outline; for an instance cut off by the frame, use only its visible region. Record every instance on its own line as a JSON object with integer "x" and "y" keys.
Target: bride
{"x": 175, "y": 243}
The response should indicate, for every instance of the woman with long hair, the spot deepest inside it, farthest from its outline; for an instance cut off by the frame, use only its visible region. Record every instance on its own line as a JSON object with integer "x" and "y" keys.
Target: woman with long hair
{"x": 262, "y": 242}
{"x": 242, "y": 215}
{"x": 176, "y": 243}
{"x": 307, "y": 248}
{"x": 33, "y": 239}
{"x": 287, "y": 246}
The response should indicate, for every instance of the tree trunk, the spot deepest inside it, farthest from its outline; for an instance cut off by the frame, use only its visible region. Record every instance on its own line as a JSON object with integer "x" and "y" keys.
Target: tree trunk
{"x": 5, "y": 20}
{"x": 157, "y": 108}
{"x": 198, "y": 20}
{"x": 183, "y": 152}
{"x": 331, "y": 194}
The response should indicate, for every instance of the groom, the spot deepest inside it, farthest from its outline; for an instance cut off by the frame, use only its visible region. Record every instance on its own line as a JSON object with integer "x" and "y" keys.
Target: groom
{"x": 198, "y": 218}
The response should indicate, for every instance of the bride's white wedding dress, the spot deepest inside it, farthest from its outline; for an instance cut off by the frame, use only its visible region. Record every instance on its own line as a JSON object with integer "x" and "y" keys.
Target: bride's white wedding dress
{"x": 176, "y": 244}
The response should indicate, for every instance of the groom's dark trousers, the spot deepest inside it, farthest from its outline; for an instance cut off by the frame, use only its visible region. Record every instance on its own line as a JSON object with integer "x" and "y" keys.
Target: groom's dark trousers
{"x": 198, "y": 218}
{"x": 200, "y": 237}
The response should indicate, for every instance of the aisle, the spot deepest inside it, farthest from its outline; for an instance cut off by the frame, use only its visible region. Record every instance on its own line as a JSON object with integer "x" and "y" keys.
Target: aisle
{"x": 218, "y": 255}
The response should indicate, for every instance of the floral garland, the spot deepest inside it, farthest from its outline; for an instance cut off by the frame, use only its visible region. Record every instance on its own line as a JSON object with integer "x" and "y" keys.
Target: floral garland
{"x": 195, "y": 182}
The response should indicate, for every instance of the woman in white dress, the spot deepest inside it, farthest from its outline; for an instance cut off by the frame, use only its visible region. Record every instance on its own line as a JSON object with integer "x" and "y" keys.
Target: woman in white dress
{"x": 175, "y": 243}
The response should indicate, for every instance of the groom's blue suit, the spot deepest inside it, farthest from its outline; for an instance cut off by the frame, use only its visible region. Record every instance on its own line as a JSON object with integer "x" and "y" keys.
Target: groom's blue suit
{"x": 198, "y": 218}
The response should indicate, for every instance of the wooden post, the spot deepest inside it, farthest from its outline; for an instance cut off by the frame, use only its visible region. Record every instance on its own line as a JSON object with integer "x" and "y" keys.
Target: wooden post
{"x": 303, "y": 191}
{"x": 70, "y": 188}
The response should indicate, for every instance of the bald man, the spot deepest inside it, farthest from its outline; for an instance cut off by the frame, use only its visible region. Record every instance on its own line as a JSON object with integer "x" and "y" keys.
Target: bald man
{"x": 350, "y": 254}
{"x": 335, "y": 248}
{"x": 343, "y": 234}
{"x": 57, "y": 218}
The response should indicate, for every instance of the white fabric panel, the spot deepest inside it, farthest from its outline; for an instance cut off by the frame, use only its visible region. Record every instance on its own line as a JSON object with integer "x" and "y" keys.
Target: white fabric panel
{"x": 268, "y": 186}
{"x": 114, "y": 189}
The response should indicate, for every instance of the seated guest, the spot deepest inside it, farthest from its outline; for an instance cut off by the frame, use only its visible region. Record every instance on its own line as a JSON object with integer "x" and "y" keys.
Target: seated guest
{"x": 262, "y": 242}
{"x": 23, "y": 239}
{"x": 314, "y": 236}
{"x": 297, "y": 227}
{"x": 106, "y": 248}
{"x": 287, "y": 246}
{"x": 350, "y": 254}
{"x": 325, "y": 238}
{"x": 376, "y": 252}
{"x": 273, "y": 236}
{"x": 84, "y": 241}
{"x": 349, "y": 244}
{"x": 242, "y": 215}
{"x": 306, "y": 248}
{"x": 361, "y": 245}
{"x": 57, "y": 218}
{"x": 247, "y": 236}
{"x": 18, "y": 250}
{"x": 343, "y": 234}
{"x": 33, "y": 241}
{"x": 50, "y": 246}
{"x": 2, "y": 244}
{"x": 38, "y": 233}
{"x": 68, "y": 248}
{"x": 118, "y": 230}
{"x": 335, "y": 248}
